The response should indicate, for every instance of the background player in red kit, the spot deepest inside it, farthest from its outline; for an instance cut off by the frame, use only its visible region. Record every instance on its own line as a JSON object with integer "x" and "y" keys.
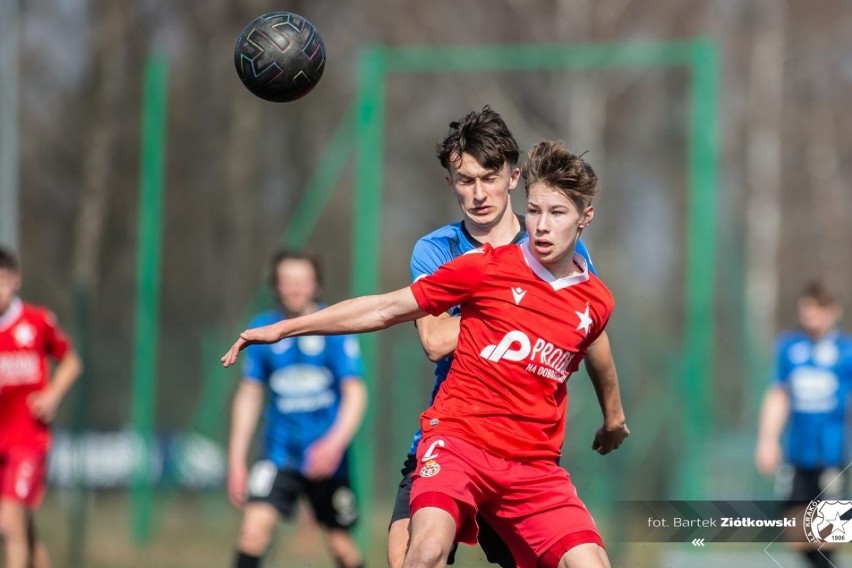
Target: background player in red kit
{"x": 28, "y": 402}
{"x": 492, "y": 437}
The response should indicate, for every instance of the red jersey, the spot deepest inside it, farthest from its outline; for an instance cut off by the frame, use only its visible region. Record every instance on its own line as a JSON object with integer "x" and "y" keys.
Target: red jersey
{"x": 523, "y": 332}
{"x": 28, "y": 336}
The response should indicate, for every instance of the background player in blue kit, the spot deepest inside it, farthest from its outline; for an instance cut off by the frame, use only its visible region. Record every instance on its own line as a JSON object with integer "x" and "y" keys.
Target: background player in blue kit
{"x": 315, "y": 401}
{"x": 810, "y": 397}
{"x": 480, "y": 155}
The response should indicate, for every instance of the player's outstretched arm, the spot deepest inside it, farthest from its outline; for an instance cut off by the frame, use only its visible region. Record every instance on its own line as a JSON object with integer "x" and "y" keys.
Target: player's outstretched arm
{"x": 601, "y": 368}
{"x": 358, "y": 315}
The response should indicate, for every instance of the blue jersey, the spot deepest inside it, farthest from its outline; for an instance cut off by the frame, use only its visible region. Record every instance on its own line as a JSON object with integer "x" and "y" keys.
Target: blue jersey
{"x": 303, "y": 377}
{"x": 817, "y": 375}
{"x": 440, "y": 247}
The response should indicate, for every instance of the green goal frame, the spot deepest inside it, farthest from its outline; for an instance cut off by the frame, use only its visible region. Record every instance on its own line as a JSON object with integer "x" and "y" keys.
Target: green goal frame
{"x": 700, "y": 57}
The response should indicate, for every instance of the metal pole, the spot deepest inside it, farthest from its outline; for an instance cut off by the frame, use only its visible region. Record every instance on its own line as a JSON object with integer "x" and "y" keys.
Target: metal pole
{"x": 699, "y": 348}
{"x": 9, "y": 38}
{"x": 148, "y": 289}
{"x": 366, "y": 247}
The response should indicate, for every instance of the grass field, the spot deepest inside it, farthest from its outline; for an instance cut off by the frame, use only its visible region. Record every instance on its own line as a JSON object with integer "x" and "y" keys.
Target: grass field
{"x": 190, "y": 531}
{"x": 199, "y": 531}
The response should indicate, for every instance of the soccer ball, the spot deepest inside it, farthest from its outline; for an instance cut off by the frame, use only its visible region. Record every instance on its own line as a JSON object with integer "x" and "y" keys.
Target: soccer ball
{"x": 280, "y": 56}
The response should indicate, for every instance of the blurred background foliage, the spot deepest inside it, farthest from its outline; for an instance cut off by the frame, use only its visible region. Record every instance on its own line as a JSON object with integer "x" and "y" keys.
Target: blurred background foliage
{"x": 237, "y": 166}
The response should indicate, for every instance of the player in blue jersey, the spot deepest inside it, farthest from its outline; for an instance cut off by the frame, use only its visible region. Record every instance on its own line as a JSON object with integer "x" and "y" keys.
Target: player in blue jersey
{"x": 480, "y": 155}
{"x": 315, "y": 401}
{"x": 809, "y": 401}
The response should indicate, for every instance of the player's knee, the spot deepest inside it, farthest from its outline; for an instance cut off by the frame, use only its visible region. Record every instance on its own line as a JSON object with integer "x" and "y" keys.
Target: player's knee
{"x": 427, "y": 552}
{"x": 11, "y": 529}
{"x": 397, "y": 543}
{"x": 254, "y": 538}
{"x": 343, "y": 548}
{"x": 583, "y": 556}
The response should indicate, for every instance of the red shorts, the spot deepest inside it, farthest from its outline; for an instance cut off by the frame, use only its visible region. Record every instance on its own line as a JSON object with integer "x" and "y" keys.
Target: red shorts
{"x": 533, "y": 506}
{"x": 22, "y": 475}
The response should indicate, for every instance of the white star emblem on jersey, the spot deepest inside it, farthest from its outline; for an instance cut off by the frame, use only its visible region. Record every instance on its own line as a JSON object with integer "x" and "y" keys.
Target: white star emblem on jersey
{"x": 518, "y": 294}
{"x": 585, "y": 321}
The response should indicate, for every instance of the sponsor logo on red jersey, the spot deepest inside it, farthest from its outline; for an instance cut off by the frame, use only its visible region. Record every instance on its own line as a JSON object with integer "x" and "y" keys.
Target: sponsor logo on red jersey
{"x": 543, "y": 357}
{"x": 19, "y": 368}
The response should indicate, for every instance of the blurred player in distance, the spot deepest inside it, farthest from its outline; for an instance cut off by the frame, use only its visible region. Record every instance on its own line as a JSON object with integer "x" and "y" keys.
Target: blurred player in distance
{"x": 809, "y": 401}
{"x": 315, "y": 401}
{"x": 29, "y": 398}
{"x": 531, "y": 312}
{"x": 480, "y": 156}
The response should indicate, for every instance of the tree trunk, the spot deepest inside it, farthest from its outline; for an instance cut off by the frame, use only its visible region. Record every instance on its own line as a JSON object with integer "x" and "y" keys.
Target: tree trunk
{"x": 825, "y": 181}
{"x": 581, "y": 104}
{"x": 109, "y": 58}
{"x": 763, "y": 163}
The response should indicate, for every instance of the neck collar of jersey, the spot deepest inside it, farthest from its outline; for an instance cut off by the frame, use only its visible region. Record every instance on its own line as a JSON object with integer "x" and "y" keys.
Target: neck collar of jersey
{"x": 12, "y": 314}
{"x": 522, "y": 231}
{"x": 832, "y": 335}
{"x": 543, "y": 273}
{"x": 313, "y": 307}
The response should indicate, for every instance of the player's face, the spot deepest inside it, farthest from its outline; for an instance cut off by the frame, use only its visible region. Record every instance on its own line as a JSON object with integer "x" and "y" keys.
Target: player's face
{"x": 10, "y": 282}
{"x": 815, "y": 319}
{"x": 482, "y": 194}
{"x": 296, "y": 286}
{"x": 554, "y": 225}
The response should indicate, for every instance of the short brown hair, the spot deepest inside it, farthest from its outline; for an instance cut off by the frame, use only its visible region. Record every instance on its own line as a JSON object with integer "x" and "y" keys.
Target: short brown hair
{"x": 9, "y": 261}
{"x": 551, "y": 163}
{"x": 819, "y": 292}
{"x": 284, "y": 254}
{"x": 485, "y": 136}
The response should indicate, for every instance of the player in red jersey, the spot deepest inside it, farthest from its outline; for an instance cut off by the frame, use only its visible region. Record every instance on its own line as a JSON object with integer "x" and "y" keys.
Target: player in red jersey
{"x": 479, "y": 154}
{"x": 28, "y": 402}
{"x": 493, "y": 435}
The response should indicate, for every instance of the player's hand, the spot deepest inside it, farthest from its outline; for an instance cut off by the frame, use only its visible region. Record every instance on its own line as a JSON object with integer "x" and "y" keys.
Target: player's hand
{"x": 609, "y": 438}
{"x": 237, "y": 485}
{"x": 322, "y": 458}
{"x": 767, "y": 457}
{"x": 43, "y": 405}
{"x": 265, "y": 334}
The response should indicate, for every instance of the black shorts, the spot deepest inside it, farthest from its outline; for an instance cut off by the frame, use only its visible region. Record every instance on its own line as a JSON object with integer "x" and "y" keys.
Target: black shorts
{"x": 800, "y": 486}
{"x": 332, "y": 499}
{"x": 492, "y": 545}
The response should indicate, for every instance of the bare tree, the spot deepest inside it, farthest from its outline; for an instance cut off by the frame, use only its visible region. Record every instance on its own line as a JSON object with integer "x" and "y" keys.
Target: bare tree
{"x": 825, "y": 182}
{"x": 109, "y": 64}
{"x": 244, "y": 131}
{"x": 763, "y": 153}
{"x": 581, "y": 104}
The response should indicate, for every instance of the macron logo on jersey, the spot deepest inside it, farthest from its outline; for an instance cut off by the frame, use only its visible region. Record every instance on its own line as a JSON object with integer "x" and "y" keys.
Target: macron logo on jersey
{"x": 518, "y": 294}
{"x": 544, "y": 358}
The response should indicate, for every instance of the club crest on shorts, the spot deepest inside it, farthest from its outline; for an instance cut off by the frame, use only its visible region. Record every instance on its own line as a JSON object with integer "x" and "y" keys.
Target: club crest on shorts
{"x": 430, "y": 468}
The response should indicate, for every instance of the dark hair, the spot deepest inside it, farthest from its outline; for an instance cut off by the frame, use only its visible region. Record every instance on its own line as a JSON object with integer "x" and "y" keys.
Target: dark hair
{"x": 281, "y": 255}
{"x": 551, "y": 163}
{"x": 820, "y": 292}
{"x": 9, "y": 261}
{"x": 485, "y": 136}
